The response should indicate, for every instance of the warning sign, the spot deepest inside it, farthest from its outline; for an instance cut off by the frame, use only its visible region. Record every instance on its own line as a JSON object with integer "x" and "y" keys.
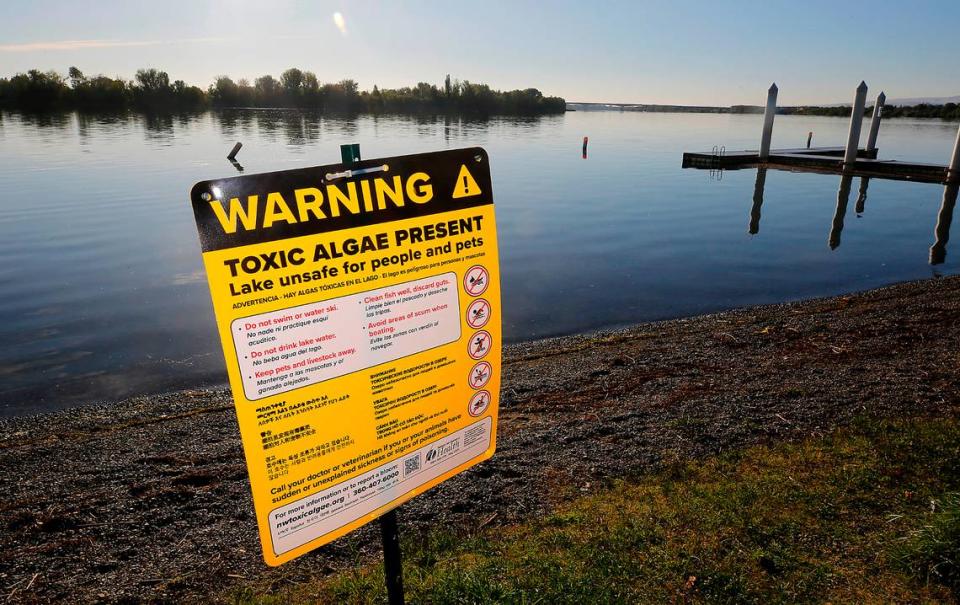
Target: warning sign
{"x": 466, "y": 185}
{"x": 346, "y": 303}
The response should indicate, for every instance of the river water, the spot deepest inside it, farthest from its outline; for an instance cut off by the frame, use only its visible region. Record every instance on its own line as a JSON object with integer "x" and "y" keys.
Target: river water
{"x": 103, "y": 295}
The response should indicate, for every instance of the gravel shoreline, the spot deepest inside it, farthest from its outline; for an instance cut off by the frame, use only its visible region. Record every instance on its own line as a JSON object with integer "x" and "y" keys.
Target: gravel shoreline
{"x": 148, "y": 499}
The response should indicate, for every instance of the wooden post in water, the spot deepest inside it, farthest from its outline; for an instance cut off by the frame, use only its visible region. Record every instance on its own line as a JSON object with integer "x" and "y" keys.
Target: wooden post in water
{"x": 809, "y": 138}
{"x": 768, "y": 115}
{"x": 856, "y": 122}
{"x": 875, "y": 122}
{"x": 953, "y": 171}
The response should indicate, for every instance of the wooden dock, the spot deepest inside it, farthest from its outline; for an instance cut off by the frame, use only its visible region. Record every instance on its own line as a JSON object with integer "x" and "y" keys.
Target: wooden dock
{"x": 828, "y": 160}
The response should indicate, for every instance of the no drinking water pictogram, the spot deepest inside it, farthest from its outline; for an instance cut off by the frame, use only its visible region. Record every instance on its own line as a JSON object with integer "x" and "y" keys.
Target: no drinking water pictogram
{"x": 480, "y": 344}
{"x": 478, "y": 313}
{"x": 480, "y": 375}
{"x": 476, "y": 280}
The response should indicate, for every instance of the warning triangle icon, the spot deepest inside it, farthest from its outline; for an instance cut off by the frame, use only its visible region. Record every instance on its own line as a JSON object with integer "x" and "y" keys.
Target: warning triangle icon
{"x": 466, "y": 185}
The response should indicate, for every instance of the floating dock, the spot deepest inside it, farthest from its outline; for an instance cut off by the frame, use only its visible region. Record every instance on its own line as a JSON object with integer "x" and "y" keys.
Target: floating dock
{"x": 850, "y": 160}
{"x": 828, "y": 160}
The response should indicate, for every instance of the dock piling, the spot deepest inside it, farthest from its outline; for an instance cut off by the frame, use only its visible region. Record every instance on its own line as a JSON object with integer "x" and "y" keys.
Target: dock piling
{"x": 856, "y": 123}
{"x": 809, "y": 138}
{"x": 768, "y": 115}
{"x": 953, "y": 170}
{"x": 875, "y": 122}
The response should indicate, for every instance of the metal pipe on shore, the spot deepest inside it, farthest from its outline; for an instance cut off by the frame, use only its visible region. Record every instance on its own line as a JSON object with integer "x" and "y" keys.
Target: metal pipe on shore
{"x": 856, "y": 123}
{"x": 768, "y": 115}
{"x": 875, "y": 121}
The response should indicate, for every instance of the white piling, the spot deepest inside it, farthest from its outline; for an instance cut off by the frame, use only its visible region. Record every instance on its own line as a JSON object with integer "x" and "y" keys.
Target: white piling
{"x": 953, "y": 171}
{"x": 856, "y": 122}
{"x": 768, "y": 115}
{"x": 875, "y": 122}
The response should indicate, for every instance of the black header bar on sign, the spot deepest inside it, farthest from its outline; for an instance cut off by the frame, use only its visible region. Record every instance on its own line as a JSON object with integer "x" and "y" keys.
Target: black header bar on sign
{"x": 250, "y": 209}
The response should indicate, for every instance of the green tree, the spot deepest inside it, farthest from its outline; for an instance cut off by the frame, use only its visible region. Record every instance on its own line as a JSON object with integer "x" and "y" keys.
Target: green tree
{"x": 77, "y": 78}
{"x": 153, "y": 81}
{"x": 266, "y": 90}
{"x": 292, "y": 82}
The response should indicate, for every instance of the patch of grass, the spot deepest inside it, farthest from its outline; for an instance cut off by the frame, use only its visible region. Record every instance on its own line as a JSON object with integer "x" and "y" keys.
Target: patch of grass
{"x": 843, "y": 518}
{"x": 932, "y": 552}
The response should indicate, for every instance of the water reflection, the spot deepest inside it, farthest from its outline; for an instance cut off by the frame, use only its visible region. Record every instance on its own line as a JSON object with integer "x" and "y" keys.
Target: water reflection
{"x": 938, "y": 251}
{"x": 862, "y": 195}
{"x": 104, "y": 294}
{"x": 843, "y": 197}
{"x": 758, "y": 187}
{"x": 158, "y": 127}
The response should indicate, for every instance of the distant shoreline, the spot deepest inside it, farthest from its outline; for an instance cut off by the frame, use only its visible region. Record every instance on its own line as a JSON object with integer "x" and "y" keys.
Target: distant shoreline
{"x": 152, "y": 90}
{"x": 946, "y": 111}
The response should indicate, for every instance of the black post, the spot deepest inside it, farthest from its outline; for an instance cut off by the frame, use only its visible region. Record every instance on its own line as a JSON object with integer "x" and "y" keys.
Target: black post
{"x": 389, "y": 532}
{"x": 392, "y": 566}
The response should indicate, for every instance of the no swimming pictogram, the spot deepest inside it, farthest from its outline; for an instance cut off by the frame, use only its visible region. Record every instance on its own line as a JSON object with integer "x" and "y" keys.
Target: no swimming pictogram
{"x": 478, "y": 313}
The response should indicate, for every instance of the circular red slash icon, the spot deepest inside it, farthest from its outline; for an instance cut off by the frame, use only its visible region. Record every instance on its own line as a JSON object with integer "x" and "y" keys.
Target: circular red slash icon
{"x": 480, "y": 375}
{"x": 478, "y": 313}
{"x": 480, "y": 344}
{"x": 476, "y": 280}
{"x": 478, "y": 403}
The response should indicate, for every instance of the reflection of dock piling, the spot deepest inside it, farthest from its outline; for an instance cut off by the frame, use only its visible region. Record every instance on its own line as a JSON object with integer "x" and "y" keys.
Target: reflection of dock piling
{"x": 843, "y": 197}
{"x": 757, "y": 201}
{"x": 938, "y": 251}
{"x": 862, "y": 195}
{"x": 849, "y": 159}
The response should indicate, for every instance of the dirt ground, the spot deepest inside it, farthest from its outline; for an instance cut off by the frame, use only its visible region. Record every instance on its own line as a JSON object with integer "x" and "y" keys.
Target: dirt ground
{"x": 148, "y": 500}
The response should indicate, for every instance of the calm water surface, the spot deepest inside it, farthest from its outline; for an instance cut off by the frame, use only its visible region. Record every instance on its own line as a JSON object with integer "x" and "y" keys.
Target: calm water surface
{"x": 103, "y": 295}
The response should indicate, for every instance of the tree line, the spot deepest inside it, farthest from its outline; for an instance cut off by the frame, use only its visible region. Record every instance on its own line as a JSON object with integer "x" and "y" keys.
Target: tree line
{"x": 947, "y": 111}
{"x": 151, "y": 89}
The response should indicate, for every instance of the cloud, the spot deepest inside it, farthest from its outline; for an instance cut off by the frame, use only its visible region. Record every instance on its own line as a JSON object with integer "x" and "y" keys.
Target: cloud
{"x": 88, "y": 44}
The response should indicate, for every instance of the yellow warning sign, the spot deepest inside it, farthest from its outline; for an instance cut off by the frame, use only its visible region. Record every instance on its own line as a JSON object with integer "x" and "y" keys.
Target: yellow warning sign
{"x": 359, "y": 313}
{"x": 465, "y": 186}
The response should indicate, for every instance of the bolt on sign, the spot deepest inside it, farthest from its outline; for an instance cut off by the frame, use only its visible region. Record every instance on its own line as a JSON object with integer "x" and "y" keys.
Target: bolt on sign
{"x": 359, "y": 311}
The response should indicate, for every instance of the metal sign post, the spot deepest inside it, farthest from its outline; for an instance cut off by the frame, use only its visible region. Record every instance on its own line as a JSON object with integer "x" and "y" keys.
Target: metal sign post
{"x": 389, "y": 531}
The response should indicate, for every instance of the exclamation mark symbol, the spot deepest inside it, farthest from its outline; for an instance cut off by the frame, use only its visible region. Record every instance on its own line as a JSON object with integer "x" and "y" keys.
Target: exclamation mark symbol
{"x": 464, "y": 185}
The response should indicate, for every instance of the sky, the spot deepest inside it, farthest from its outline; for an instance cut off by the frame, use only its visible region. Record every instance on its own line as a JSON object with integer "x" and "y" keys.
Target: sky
{"x": 678, "y": 52}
